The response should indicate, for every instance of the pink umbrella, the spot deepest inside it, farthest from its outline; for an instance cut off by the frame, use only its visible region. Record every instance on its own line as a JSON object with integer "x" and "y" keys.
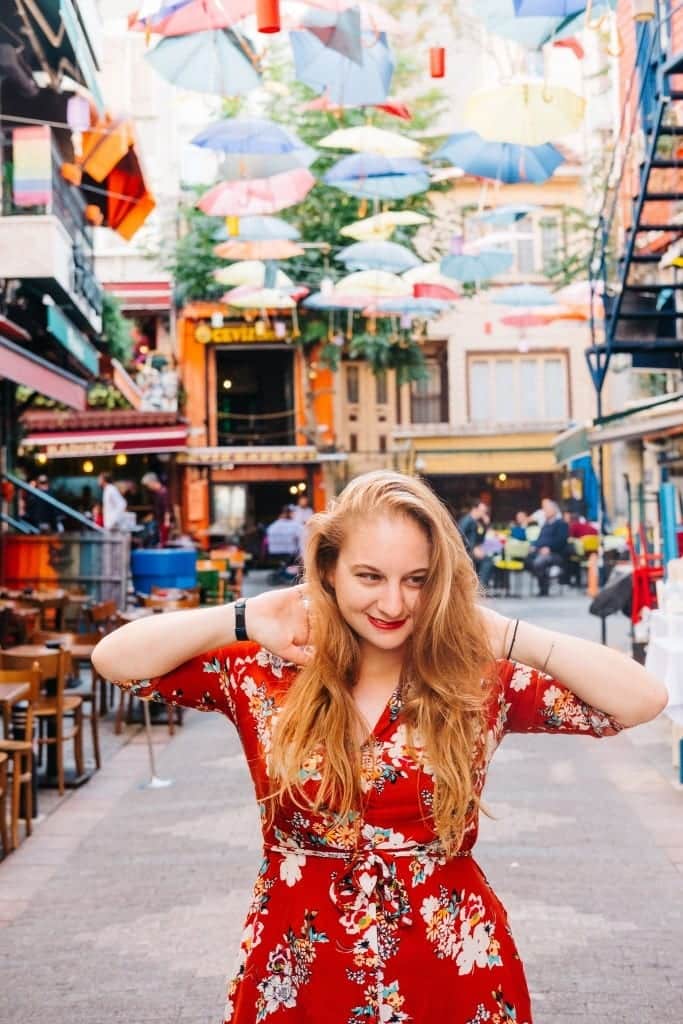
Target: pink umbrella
{"x": 257, "y": 195}
{"x": 524, "y": 320}
{"x": 196, "y": 16}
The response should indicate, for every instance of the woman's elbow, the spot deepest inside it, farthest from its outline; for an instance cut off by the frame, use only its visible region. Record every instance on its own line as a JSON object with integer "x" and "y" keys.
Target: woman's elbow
{"x": 652, "y": 703}
{"x": 101, "y": 658}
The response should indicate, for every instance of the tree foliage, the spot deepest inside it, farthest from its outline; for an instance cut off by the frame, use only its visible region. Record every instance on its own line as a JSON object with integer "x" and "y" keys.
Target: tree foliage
{"x": 117, "y": 333}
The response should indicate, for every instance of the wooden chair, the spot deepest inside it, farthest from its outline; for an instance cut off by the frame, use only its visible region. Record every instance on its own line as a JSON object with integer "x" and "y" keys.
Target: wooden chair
{"x": 53, "y": 703}
{"x": 18, "y": 749}
{"x": 80, "y": 646}
{"x": 52, "y": 608}
{"x": 4, "y": 837}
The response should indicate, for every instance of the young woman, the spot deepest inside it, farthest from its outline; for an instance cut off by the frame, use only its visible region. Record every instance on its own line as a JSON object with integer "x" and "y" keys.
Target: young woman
{"x": 369, "y": 703}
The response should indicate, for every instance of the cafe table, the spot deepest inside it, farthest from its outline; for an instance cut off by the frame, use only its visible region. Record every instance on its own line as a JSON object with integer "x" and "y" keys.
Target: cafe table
{"x": 11, "y": 694}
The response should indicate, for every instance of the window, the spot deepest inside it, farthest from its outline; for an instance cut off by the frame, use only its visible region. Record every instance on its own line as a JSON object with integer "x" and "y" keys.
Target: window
{"x": 352, "y": 384}
{"x": 550, "y": 242}
{"x": 381, "y": 390}
{"x": 353, "y": 442}
{"x": 516, "y": 389}
{"x": 382, "y": 442}
{"x": 428, "y": 396}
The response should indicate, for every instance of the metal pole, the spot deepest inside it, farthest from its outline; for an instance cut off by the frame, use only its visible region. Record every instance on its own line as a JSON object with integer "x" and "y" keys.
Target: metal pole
{"x": 154, "y": 781}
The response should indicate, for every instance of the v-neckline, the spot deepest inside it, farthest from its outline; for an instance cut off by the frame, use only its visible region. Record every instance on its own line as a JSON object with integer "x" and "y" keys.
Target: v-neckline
{"x": 378, "y": 727}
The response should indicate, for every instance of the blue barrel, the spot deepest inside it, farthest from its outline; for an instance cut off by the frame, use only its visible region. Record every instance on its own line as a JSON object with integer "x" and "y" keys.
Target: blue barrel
{"x": 164, "y": 567}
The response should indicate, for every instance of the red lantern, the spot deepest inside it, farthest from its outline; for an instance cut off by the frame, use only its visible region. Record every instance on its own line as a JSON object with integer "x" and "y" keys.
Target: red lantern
{"x": 268, "y": 15}
{"x": 437, "y": 61}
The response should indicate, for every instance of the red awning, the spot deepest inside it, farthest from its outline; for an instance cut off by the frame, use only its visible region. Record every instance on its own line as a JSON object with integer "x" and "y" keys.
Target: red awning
{"x": 25, "y": 368}
{"x": 134, "y": 441}
{"x": 150, "y": 296}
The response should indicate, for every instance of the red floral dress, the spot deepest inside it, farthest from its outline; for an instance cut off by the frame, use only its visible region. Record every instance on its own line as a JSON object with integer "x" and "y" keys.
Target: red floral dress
{"x": 365, "y": 920}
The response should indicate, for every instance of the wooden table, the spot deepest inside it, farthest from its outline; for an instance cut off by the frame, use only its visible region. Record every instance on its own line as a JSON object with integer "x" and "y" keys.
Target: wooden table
{"x": 132, "y": 614}
{"x": 11, "y": 694}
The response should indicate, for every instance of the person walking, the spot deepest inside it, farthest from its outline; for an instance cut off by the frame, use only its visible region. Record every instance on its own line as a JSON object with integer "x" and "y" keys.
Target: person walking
{"x": 39, "y": 512}
{"x": 369, "y": 702}
{"x": 114, "y": 505}
{"x": 161, "y": 505}
{"x": 284, "y": 536}
{"x": 550, "y": 549}
{"x": 473, "y": 527}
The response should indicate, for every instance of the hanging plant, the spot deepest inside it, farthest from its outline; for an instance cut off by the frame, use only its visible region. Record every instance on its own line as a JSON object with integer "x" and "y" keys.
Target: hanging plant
{"x": 386, "y": 352}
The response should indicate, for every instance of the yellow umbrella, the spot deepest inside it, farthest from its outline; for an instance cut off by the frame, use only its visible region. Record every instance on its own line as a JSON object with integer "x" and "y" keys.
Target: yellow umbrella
{"x": 381, "y": 227}
{"x": 368, "y": 139}
{"x": 250, "y": 272}
{"x": 262, "y": 298}
{"x": 527, "y": 112}
{"x": 375, "y": 284}
{"x": 267, "y": 249}
{"x": 428, "y": 273}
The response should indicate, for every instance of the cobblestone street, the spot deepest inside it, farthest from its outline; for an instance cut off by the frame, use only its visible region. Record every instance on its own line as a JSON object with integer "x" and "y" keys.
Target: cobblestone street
{"x": 126, "y": 905}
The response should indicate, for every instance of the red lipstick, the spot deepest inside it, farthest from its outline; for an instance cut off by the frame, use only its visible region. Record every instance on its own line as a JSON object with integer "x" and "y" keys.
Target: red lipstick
{"x": 381, "y": 624}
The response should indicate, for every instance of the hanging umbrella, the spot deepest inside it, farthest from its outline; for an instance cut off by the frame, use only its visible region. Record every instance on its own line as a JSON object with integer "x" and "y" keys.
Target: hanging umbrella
{"x": 477, "y": 267}
{"x": 252, "y": 273}
{"x": 526, "y": 112}
{"x": 372, "y": 284}
{"x": 373, "y": 16}
{"x": 268, "y": 249}
{"x": 343, "y": 80}
{"x": 393, "y": 107}
{"x": 499, "y": 239}
{"x": 380, "y": 227}
{"x": 504, "y": 216}
{"x": 548, "y": 8}
{"x": 264, "y": 298}
{"x": 500, "y": 161}
{"x": 435, "y": 291}
{"x": 525, "y": 295}
{"x": 260, "y": 229}
{"x": 219, "y": 62}
{"x": 524, "y": 320}
{"x": 339, "y": 31}
{"x": 253, "y": 135}
{"x": 577, "y": 23}
{"x": 411, "y": 306}
{"x": 151, "y": 11}
{"x": 327, "y": 303}
{"x": 260, "y": 195}
{"x": 186, "y": 16}
{"x": 499, "y": 18}
{"x": 428, "y": 273}
{"x": 368, "y": 139}
{"x": 578, "y": 293}
{"x": 378, "y": 256}
{"x": 368, "y": 175}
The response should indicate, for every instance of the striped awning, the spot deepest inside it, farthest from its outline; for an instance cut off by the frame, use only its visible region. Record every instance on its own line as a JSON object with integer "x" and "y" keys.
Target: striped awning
{"x": 68, "y": 444}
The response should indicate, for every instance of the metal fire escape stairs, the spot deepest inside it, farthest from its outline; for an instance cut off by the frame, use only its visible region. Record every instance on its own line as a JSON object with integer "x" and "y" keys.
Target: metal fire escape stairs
{"x": 629, "y": 315}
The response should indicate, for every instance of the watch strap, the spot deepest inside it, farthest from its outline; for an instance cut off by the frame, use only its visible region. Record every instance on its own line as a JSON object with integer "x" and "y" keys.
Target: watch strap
{"x": 240, "y": 619}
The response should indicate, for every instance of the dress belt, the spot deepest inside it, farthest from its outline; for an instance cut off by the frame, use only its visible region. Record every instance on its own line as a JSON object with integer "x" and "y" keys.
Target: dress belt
{"x": 359, "y": 851}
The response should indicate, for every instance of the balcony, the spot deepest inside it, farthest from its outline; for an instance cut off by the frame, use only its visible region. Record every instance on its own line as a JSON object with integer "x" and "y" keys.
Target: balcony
{"x": 44, "y": 238}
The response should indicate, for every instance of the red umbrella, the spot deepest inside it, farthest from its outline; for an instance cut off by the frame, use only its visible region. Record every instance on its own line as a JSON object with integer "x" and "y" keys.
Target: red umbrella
{"x": 526, "y": 320}
{"x": 435, "y": 291}
{"x": 393, "y": 107}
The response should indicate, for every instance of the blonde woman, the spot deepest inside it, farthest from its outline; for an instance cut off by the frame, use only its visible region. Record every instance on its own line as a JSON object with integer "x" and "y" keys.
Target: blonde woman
{"x": 369, "y": 702}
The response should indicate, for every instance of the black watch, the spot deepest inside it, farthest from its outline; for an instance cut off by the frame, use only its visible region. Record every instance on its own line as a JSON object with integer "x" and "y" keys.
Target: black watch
{"x": 240, "y": 619}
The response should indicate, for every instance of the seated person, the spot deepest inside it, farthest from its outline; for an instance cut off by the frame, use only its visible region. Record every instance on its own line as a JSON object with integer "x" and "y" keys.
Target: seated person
{"x": 550, "y": 549}
{"x": 473, "y": 527}
{"x": 579, "y": 527}
{"x": 518, "y": 528}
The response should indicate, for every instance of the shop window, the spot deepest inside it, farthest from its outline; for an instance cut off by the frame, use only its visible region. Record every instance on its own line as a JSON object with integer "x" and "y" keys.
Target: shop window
{"x": 352, "y": 384}
{"x": 518, "y": 389}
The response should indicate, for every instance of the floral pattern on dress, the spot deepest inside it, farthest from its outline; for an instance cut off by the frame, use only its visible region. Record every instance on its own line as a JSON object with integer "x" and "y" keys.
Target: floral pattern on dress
{"x": 364, "y": 919}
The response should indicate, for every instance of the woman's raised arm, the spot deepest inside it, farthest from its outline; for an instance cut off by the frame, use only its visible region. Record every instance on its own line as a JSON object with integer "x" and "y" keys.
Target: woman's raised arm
{"x": 602, "y": 677}
{"x": 157, "y": 644}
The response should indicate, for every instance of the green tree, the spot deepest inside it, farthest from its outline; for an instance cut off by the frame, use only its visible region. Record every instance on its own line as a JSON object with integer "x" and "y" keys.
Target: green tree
{"x": 117, "y": 333}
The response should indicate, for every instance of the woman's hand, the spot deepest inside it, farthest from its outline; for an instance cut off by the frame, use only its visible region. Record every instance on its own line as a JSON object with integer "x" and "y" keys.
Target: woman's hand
{"x": 278, "y": 620}
{"x": 497, "y": 630}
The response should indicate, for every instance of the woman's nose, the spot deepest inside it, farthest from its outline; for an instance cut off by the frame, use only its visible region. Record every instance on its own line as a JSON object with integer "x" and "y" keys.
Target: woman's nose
{"x": 391, "y": 602}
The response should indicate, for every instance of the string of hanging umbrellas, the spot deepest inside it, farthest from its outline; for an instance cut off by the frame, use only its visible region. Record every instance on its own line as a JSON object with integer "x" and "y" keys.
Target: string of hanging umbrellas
{"x": 343, "y": 54}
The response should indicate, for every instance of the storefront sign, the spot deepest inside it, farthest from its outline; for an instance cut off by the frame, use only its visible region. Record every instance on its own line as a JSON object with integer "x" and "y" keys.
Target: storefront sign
{"x": 249, "y": 456}
{"x": 238, "y": 332}
{"x": 72, "y": 339}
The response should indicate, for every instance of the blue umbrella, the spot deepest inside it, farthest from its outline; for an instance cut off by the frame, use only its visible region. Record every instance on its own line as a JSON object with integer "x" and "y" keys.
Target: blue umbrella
{"x": 337, "y": 30}
{"x": 504, "y": 216}
{"x": 500, "y": 161}
{"x": 413, "y": 306}
{"x": 499, "y": 18}
{"x": 260, "y": 229}
{"x": 548, "y": 8}
{"x": 220, "y": 62}
{"x": 341, "y": 78}
{"x": 378, "y": 256}
{"x": 525, "y": 295}
{"x": 577, "y": 22}
{"x": 254, "y": 147}
{"x": 369, "y": 175}
{"x": 477, "y": 267}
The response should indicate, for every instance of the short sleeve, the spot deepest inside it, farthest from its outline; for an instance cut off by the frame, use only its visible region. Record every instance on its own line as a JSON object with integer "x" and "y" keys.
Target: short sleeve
{"x": 535, "y": 702}
{"x": 205, "y": 683}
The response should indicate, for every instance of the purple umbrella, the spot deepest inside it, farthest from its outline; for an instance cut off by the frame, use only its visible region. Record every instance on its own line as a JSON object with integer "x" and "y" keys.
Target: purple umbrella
{"x": 548, "y": 8}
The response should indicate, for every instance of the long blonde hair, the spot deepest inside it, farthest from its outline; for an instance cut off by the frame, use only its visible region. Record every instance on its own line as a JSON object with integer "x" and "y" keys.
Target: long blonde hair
{"x": 444, "y": 701}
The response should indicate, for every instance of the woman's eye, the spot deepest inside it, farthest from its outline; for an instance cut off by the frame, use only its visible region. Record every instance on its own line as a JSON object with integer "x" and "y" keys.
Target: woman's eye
{"x": 417, "y": 581}
{"x": 368, "y": 576}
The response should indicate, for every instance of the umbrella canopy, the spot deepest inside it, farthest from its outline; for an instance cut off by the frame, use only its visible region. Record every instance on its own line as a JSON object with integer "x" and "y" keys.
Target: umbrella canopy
{"x": 411, "y": 306}
{"x": 524, "y": 320}
{"x": 262, "y": 298}
{"x": 186, "y": 16}
{"x": 499, "y": 18}
{"x": 251, "y": 273}
{"x": 525, "y": 295}
{"x": 378, "y": 256}
{"x": 260, "y": 229}
{"x": 341, "y": 78}
{"x": 368, "y": 175}
{"x": 260, "y": 195}
{"x": 428, "y": 273}
{"x": 548, "y": 8}
{"x": 498, "y": 239}
{"x": 477, "y": 267}
{"x": 372, "y": 284}
{"x": 503, "y": 216}
{"x": 373, "y": 16}
{"x": 526, "y": 112}
{"x": 368, "y": 139}
{"x": 380, "y": 227}
{"x": 326, "y": 303}
{"x": 435, "y": 291}
{"x": 392, "y": 107}
{"x": 337, "y": 30}
{"x": 253, "y": 135}
{"x": 268, "y": 249}
{"x": 500, "y": 161}
{"x": 219, "y": 62}
{"x": 151, "y": 11}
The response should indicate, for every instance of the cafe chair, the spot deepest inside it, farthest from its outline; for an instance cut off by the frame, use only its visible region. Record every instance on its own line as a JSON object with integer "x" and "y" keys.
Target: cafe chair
{"x": 52, "y": 608}
{"x": 18, "y": 749}
{"x": 59, "y": 715}
{"x": 512, "y": 562}
{"x": 80, "y": 646}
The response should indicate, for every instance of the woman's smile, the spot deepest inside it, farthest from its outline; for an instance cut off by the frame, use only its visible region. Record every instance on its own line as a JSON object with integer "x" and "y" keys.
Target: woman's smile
{"x": 383, "y": 624}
